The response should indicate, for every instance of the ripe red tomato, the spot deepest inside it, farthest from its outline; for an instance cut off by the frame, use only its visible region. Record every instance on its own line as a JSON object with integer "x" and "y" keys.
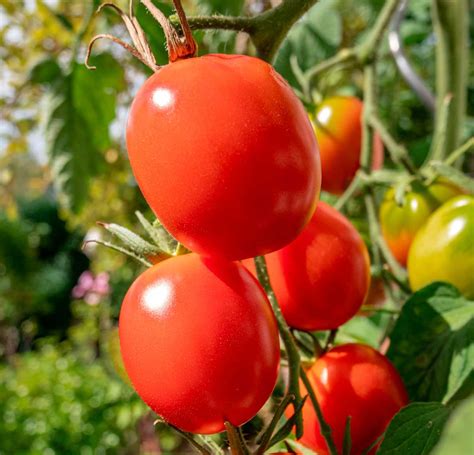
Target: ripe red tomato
{"x": 401, "y": 223}
{"x": 354, "y": 380}
{"x": 321, "y": 279}
{"x": 443, "y": 249}
{"x": 225, "y": 155}
{"x": 338, "y": 130}
{"x": 199, "y": 342}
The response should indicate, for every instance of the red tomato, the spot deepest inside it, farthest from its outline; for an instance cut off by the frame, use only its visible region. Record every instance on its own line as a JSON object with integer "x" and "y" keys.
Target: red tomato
{"x": 199, "y": 342}
{"x": 321, "y": 279}
{"x": 225, "y": 155}
{"x": 339, "y": 133}
{"x": 354, "y": 380}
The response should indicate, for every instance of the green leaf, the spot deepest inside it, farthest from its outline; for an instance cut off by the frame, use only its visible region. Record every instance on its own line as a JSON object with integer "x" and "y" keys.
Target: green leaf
{"x": 46, "y": 71}
{"x": 361, "y": 329}
{"x": 432, "y": 344}
{"x": 82, "y": 106}
{"x": 316, "y": 37}
{"x": 457, "y": 434}
{"x": 414, "y": 430}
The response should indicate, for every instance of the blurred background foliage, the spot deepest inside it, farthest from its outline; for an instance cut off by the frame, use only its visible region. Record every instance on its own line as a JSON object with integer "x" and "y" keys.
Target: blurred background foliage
{"x": 63, "y": 166}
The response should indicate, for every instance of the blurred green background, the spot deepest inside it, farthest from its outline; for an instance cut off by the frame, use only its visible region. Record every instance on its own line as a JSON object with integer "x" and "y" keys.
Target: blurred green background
{"x": 63, "y": 166}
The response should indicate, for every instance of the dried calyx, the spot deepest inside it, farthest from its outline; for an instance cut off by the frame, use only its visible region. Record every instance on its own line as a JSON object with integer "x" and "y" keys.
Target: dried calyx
{"x": 178, "y": 47}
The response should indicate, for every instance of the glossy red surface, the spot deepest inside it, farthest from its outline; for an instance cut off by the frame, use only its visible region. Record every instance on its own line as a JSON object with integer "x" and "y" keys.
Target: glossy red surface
{"x": 225, "y": 155}
{"x": 199, "y": 342}
{"x": 338, "y": 130}
{"x": 321, "y": 279}
{"x": 354, "y": 380}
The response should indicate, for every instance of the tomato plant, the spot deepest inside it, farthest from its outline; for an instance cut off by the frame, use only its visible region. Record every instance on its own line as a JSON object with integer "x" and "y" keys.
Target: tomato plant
{"x": 216, "y": 133}
{"x": 352, "y": 380}
{"x": 443, "y": 249}
{"x": 321, "y": 279}
{"x": 400, "y": 223}
{"x": 228, "y": 161}
{"x": 199, "y": 342}
{"x": 338, "y": 127}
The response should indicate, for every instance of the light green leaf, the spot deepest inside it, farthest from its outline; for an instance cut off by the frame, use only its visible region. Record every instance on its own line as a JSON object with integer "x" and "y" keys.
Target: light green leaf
{"x": 414, "y": 430}
{"x": 432, "y": 344}
{"x": 457, "y": 435}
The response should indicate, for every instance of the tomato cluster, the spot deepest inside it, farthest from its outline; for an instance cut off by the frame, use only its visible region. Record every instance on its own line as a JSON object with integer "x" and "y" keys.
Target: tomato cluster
{"x": 400, "y": 223}
{"x": 227, "y": 158}
{"x": 230, "y": 165}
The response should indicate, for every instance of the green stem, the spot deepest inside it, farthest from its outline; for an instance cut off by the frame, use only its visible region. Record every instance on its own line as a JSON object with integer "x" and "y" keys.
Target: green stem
{"x": 451, "y": 22}
{"x": 323, "y": 425}
{"x": 398, "y": 153}
{"x": 294, "y": 361}
{"x": 267, "y": 30}
{"x": 271, "y": 428}
{"x": 459, "y": 152}
{"x": 366, "y": 51}
{"x": 356, "y": 184}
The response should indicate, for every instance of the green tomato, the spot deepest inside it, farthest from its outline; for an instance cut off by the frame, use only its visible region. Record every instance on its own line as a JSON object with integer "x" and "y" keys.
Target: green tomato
{"x": 443, "y": 249}
{"x": 401, "y": 223}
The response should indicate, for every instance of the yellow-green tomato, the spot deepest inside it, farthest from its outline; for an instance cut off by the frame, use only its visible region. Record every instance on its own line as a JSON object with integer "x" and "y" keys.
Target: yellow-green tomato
{"x": 443, "y": 249}
{"x": 401, "y": 223}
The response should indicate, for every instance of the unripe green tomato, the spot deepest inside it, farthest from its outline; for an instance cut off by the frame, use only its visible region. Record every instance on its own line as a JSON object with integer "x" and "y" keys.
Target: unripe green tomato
{"x": 401, "y": 223}
{"x": 443, "y": 249}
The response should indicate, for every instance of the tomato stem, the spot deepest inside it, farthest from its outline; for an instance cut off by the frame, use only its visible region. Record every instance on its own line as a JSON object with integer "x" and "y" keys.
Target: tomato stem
{"x": 451, "y": 26}
{"x": 236, "y": 442}
{"x": 323, "y": 425}
{"x": 294, "y": 361}
{"x": 265, "y": 439}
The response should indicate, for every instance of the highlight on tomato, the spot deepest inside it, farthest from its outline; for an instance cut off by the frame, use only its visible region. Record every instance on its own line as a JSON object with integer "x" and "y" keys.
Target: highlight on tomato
{"x": 401, "y": 223}
{"x": 338, "y": 128}
{"x": 443, "y": 249}
{"x": 352, "y": 380}
{"x": 200, "y": 342}
{"x": 225, "y": 155}
{"x": 321, "y": 279}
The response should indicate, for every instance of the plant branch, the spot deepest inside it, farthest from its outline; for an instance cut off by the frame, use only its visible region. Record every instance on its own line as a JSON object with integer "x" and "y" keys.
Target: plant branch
{"x": 236, "y": 442}
{"x": 398, "y": 153}
{"x": 450, "y": 23}
{"x": 267, "y": 30}
{"x": 323, "y": 425}
{"x": 267, "y": 435}
{"x": 294, "y": 361}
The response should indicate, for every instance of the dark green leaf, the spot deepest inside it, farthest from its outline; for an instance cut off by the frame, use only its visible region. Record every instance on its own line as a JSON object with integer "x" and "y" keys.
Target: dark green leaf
{"x": 45, "y": 72}
{"x": 457, "y": 434}
{"x": 432, "y": 344}
{"x": 316, "y": 37}
{"x": 414, "y": 430}
{"x": 77, "y": 129}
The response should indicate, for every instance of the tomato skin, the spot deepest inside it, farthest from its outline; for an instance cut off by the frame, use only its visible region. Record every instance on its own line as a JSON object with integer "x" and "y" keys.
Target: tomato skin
{"x": 338, "y": 130}
{"x": 401, "y": 223}
{"x": 225, "y": 155}
{"x": 321, "y": 279}
{"x": 199, "y": 342}
{"x": 355, "y": 380}
{"x": 443, "y": 249}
